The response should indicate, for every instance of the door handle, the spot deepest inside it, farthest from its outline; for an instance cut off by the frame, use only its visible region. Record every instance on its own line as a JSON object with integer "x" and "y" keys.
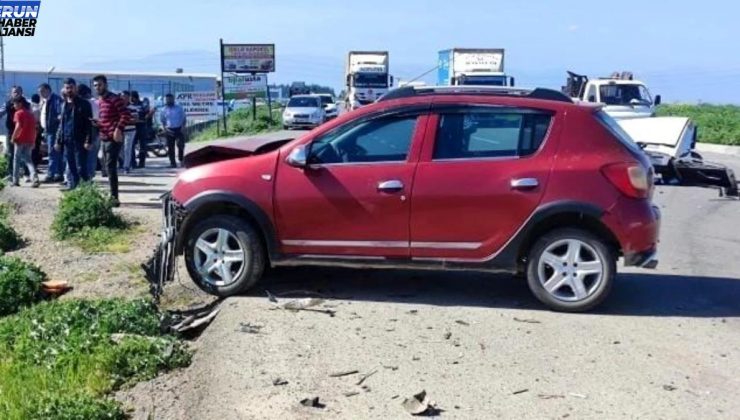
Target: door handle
{"x": 391, "y": 186}
{"x": 524, "y": 183}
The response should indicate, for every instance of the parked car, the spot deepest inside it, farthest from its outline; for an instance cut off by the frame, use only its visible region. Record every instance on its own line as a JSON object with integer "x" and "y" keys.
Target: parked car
{"x": 491, "y": 179}
{"x": 329, "y": 104}
{"x": 303, "y": 111}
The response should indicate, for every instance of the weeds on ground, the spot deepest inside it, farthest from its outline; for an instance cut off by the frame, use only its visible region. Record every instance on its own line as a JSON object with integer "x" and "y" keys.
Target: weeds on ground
{"x": 241, "y": 123}
{"x": 4, "y": 170}
{"x": 58, "y": 359}
{"x": 20, "y": 284}
{"x": 86, "y": 218}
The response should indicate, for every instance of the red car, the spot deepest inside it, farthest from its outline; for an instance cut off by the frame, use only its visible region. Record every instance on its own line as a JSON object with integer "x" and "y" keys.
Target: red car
{"x": 491, "y": 179}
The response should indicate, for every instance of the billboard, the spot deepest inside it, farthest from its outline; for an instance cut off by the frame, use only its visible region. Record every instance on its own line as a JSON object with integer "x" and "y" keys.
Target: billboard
{"x": 198, "y": 106}
{"x": 245, "y": 86}
{"x": 248, "y": 58}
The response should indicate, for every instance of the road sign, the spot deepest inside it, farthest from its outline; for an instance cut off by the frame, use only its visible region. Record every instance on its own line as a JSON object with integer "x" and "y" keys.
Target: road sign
{"x": 248, "y": 58}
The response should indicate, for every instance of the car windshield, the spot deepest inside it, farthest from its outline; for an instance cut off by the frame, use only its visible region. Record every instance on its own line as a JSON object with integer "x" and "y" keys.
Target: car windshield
{"x": 625, "y": 94}
{"x": 371, "y": 80}
{"x": 304, "y": 102}
{"x": 326, "y": 100}
{"x": 484, "y": 81}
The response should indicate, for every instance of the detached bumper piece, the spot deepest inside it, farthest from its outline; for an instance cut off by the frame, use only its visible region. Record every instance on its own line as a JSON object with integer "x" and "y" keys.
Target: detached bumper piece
{"x": 695, "y": 172}
{"x": 647, "y": 259}
{"x": 160, "y": 267}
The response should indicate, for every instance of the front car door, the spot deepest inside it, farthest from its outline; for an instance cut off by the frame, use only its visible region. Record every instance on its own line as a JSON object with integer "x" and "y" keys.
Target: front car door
{"x": 481, "y": 175}
{"x": 353, "y": 197}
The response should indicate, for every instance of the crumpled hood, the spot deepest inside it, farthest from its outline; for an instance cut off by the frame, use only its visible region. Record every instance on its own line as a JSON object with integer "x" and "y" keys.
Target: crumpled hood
{"x": 232, "y": 150}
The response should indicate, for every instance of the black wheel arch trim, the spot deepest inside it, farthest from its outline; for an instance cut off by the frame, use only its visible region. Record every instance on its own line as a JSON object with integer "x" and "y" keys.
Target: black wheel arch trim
{"x": 264, "y": 223}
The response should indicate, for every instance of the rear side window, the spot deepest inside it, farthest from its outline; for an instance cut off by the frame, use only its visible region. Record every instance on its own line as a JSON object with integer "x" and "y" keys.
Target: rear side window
{"x": 617, "y": 131}
{"x": 476, "y": 134}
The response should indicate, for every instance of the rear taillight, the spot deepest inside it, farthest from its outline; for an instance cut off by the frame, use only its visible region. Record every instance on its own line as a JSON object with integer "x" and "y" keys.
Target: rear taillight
{"x": 631, "y": 179}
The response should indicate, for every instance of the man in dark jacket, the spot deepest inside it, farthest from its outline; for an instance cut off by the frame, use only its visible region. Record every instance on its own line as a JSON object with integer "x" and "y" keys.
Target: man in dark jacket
{"x": 51, "y": 108}
{"x": 74, "y": 136}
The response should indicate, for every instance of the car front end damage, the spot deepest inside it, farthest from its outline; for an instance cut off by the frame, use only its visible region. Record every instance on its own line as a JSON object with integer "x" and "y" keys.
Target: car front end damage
{"x": 161, "y": 266}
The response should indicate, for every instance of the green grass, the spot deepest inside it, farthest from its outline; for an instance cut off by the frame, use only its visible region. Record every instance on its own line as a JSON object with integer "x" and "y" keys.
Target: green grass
{"x": 240, "y": 123}
{"x": 717, "y": 123}
{"x": 58, "y": 361}
{"x": 103, "y": 240}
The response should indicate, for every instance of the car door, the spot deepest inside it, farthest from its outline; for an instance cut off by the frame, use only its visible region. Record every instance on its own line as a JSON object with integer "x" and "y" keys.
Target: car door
{"x": 482, "y": 173}
{"x": 352, "y": 199}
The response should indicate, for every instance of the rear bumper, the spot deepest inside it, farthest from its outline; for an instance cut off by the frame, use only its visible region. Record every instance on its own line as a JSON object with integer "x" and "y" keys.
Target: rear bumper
{"x": 637, "y": 228}
{"x": 646, "y": 259}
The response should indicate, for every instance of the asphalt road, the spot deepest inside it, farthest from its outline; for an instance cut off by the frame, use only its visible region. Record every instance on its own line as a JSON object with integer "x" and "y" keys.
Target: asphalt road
{"x": 666, "y": 344}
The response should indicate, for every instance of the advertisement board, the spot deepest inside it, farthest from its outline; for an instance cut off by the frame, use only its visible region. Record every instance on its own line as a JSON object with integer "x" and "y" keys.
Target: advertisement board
{"x": 198, "y": 106}
{"x": 248, "y": 58}
{"x": 244, "y": 86}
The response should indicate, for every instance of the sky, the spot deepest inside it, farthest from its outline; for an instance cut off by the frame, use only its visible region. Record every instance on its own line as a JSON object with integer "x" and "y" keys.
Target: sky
{"x": 685, "y": 51}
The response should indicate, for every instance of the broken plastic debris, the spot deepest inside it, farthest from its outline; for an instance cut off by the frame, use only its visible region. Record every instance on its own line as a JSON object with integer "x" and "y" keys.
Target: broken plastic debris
{"x": 249, "y": 328}
{"x": 527, "y": 321}
{"x": 279, "y": 382}
{"x": 420, "y": 405}
{"x": 462, "y": 323}
{"x": 301, "y": 304}
{"x": 312, "y": 402}
{"x": 343, "y": 373}
{"x": 364, "y": 377}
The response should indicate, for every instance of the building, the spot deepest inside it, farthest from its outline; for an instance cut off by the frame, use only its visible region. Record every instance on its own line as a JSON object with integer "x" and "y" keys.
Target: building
{"x": 152, "y": 85}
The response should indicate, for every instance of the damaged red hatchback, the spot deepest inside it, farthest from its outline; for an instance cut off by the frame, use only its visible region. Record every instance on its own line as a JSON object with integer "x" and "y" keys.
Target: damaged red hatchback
{"x": 491, "y": 179}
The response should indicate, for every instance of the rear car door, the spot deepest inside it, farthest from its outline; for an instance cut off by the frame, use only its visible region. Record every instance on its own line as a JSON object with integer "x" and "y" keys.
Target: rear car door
{"x": 482, "y": 173}
{"x": 353, "y": 197}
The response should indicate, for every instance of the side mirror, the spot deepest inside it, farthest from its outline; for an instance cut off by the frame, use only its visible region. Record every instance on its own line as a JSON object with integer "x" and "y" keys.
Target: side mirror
{"x": 512, "y": 81}
{"x": 658, "y": 100}
{"x": 391, "y": 85}
{"x": 298, "y": 157}
{"x": 592, "y": 98}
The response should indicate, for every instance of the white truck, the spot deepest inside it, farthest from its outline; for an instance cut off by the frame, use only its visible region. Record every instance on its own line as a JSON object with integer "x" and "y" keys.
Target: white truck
{"x": 472, "y": 66}
{"x": 366, "y": 77}
{"x": 623, "y": 96}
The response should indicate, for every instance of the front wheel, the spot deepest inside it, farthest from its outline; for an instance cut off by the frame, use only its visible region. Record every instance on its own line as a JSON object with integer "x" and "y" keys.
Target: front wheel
{"x": 224, "y": 255}
{"x": 571, "y": 270}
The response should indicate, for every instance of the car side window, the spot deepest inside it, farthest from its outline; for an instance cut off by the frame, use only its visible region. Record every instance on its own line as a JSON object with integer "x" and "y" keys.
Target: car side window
{"x": 385, "y": 139}
{"x": 470, "y": 135}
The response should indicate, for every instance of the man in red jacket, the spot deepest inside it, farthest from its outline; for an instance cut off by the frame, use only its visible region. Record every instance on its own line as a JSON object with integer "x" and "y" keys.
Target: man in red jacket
{"x": 111, "y": 122}
{"x": 24, "y": 138}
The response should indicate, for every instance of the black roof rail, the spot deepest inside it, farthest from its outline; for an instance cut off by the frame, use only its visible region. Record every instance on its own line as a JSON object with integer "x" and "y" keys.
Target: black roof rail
{"x": 537, "y": 93}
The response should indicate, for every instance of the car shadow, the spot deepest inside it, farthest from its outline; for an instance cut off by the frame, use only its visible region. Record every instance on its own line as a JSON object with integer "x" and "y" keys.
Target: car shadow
{"x": 633, "y": 294}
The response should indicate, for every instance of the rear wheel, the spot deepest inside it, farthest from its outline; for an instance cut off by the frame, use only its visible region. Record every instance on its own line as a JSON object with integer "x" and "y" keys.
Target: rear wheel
{"x": 571, "y": 270}
{"x": 224, "y": 255}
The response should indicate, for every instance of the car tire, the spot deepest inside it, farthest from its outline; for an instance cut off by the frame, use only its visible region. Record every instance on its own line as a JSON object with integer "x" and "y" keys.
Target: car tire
{"x": 241, "y": 240}
{"x": 571, "y": 270}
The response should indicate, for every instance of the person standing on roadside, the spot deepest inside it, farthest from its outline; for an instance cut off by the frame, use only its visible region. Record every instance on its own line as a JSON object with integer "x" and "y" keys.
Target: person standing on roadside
{"x": 84, "y": 92}
{"x": 141, "y": 138}
{"x": 23, "y": 137}
{"x": 51, "y": 108}
{"x": 75, "y": 133}
{"x": 36, "y": 110}
{"x": 173, "y": 121}
{"x": 112, "y": 120}
{"x": 9, "y": 112}
{"x": 129, "y": 132}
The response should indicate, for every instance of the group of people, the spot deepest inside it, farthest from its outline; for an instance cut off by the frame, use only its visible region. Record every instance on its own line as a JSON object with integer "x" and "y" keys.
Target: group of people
{"x": 76, "y": 128}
